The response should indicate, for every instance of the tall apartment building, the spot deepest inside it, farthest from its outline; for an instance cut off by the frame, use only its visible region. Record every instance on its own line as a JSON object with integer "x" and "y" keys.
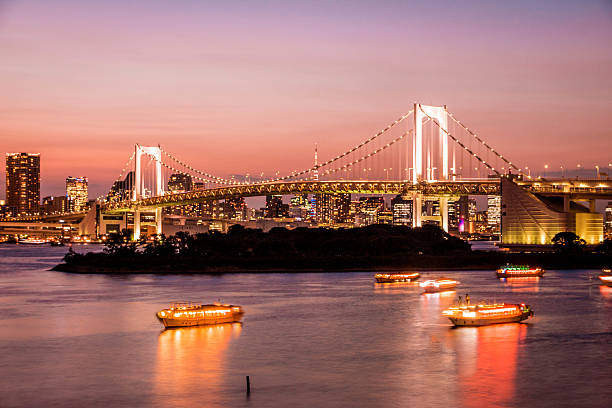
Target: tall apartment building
{"x": 23, "y": 182}
{"x": 76, "y": 193}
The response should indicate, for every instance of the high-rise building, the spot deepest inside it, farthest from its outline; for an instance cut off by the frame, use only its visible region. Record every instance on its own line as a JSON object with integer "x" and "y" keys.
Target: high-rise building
{"x": 333, "y": 208}
{"x": 122, "y": 189}
{"x": 76, "y": 193}
{"x": 54, "y": 205}
{"x": 299, "y": 207}
{"x": 402, "y": 211}
{"x": 23, "y": 182}
{"x": 370, "y": 206}
{"x": 275, "y": 207}
{"x": 235, "y": 208}
{"x": 180, "y": 183}
{"x": 494, "y": 211}
{"x": 608, "y": 220}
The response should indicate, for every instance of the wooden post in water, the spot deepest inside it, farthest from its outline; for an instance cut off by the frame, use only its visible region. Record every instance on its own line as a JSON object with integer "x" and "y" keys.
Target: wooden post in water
{"x": 248, "y": 380}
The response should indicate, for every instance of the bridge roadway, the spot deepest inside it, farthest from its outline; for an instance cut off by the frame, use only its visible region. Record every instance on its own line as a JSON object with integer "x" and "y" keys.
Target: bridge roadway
{"x": 433, "y": 189}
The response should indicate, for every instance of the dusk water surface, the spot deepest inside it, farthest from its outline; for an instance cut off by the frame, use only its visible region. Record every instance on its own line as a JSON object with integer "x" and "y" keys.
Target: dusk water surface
{"x": 307, "y": 340}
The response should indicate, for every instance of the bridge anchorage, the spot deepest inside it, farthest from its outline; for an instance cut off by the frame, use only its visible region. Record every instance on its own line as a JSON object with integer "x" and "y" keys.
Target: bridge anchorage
{"x": 424, "y": 155}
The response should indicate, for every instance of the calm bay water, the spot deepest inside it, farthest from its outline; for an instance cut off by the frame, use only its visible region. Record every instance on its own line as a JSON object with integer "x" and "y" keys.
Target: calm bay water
{"x": 307, "y": 340}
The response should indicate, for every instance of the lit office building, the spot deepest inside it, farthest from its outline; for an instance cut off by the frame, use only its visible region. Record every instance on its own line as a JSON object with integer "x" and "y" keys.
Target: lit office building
{"x": 370, "y": 206}
{"x": 54, "y": 205}
{"x": 608, "y": 220}
{"x": 494, "y": 211}
{"x": 299, "y": 207}
{"x": 275, "y": 207}
{"x": 23, "y": 182}
{"x": 402, "y": 211}
{"x": 122, "y": 189}
{"x": 76, "y": 193}
{"x": 180, "y": 183}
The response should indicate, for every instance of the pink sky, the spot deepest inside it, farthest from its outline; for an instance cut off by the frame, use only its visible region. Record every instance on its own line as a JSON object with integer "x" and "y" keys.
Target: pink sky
{"x": 246, "y": 87}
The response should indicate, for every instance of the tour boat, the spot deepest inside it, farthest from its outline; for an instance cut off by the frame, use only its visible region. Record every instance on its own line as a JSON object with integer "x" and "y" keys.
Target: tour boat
{"x": 32, "y": 241}
{"x": 438, "y": 285}
{"x": 185, "y": 315}
{"x": 606, "y": 280}
{"x": 396, "y": 277}
{"x": 513, "y": 271}
{"x": 483, "y": 314}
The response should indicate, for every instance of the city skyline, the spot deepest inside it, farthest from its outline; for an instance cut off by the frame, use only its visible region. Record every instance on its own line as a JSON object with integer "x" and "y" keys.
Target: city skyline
{"x": 194, "y": 79}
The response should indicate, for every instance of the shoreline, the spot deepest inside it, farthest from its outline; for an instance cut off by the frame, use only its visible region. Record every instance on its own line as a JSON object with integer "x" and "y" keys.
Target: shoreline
{"x": 96, "y": 270}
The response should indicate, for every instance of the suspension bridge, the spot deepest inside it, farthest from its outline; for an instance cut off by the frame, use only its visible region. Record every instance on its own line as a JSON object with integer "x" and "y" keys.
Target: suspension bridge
{"x": 425, "y": 154}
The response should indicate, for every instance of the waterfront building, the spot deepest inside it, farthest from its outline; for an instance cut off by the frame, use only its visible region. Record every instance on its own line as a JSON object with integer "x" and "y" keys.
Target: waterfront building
{"x": 531, "y": 219}
{"x": 54, "y": 205}
{"x": 494, "y": 212}
{"x": 23, "y": 182}
{"x": 76, "y": 193}
{"x": 402, "y": 211}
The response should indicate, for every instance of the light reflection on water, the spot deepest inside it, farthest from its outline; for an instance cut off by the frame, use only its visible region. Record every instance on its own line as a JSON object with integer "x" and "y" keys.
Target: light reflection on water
{"x": 331, "y": 340}
{"x": 190, "y": 363}
{"x": 487, "y": 363}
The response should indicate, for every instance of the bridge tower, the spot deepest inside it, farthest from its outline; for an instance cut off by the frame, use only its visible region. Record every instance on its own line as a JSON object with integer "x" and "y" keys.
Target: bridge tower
{"x": 424, "y": 169}
{"x": 155, "y": 153}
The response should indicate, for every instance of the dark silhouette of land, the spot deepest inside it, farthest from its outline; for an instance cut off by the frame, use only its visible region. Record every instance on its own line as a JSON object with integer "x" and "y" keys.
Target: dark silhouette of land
{"x": 371, "y": 248}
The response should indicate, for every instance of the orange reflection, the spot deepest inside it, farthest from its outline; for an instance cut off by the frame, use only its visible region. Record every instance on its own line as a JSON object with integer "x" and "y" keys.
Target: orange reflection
{"x": 606, "y": 291}
{"x": 190, "y": 363}
{"x": 491, "y": 380}
{"x": 523, "y": 284}
{"x": 394, "y": 285}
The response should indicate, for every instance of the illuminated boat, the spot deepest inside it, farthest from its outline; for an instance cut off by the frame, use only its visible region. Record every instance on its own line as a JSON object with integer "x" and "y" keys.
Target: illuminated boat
{"x": 396, "y": 277}
{"x": 185, "y": 315}
{"x": 515, "y": 271}
{"x": 606, "y": 271}
{"x": 606, "y": 280}
{"x": 32, "y": 241}
{"x": 439, "y": 285}
{"x": 483, "y": 314}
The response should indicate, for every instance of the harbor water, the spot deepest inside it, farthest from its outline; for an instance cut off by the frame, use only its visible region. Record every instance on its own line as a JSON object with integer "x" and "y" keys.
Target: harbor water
{"x": 306, "y": 340}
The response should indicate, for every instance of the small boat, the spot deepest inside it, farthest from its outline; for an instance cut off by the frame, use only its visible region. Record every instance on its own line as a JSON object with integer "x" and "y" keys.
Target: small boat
{"x": 515, "y": 271}
{"x": 187, "y": 314}
{"x": 32, "y": 241}
{"x": 485, "y": 314}
{"x": 439, "y": 285}
{"x": 606, "y": 271}
{"x": 606, "y": 280}
{"x": 396, "y": 277}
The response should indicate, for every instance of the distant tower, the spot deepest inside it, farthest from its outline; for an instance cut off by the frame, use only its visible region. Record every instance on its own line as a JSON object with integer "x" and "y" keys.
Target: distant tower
{"x": 315, "y": 177}
{"x": 316, "y": 164}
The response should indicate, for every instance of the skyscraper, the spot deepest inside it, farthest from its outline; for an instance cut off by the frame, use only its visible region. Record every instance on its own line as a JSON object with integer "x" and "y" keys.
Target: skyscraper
{"x": 76, "y": 193}
{"x": 23, "y": 182}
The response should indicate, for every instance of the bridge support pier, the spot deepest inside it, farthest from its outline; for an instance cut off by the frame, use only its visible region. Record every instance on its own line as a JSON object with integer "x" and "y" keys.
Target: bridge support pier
{"x": 158, "y": 221}
{"x": 136, "y": 224}
{"x": 417, "y": 210}
{"x": 444, "y": 212}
